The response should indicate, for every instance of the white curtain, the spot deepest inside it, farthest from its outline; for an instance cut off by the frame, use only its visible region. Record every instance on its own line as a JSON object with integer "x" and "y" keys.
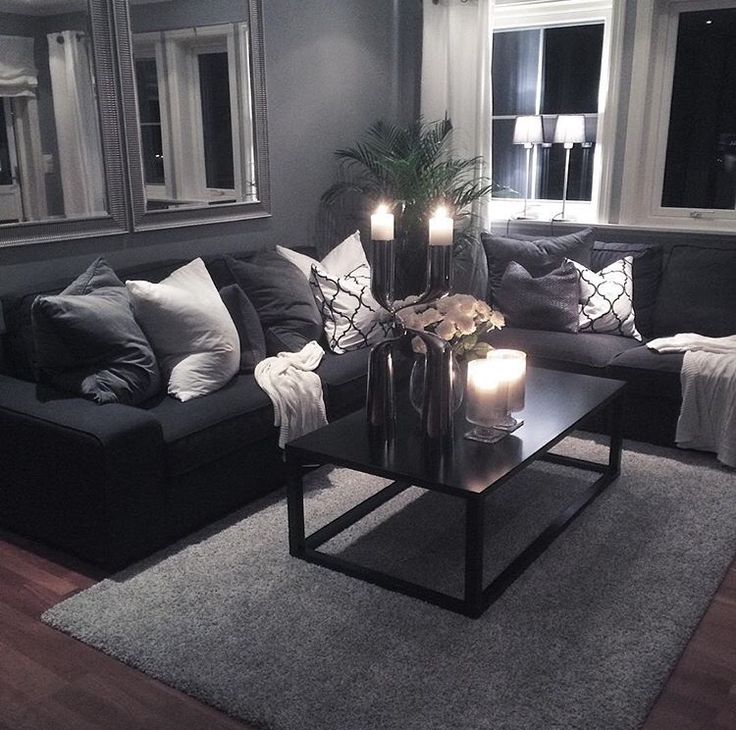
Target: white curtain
{"x": 77, "y": 124}
{"x": 18, "y": 74}
{"x": 456, "y": 74}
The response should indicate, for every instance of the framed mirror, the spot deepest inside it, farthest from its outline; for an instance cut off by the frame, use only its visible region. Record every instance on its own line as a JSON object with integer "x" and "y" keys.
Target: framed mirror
{"x": 195, "y": 111}
{"x": 61, "y": 167}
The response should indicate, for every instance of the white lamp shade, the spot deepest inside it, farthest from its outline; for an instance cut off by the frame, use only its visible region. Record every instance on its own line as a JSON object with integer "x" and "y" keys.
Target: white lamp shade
{"x": 528, "y": 130}
{"x": 570, "y": 129}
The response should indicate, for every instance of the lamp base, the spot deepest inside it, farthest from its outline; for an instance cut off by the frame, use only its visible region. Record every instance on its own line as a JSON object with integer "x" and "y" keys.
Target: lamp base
{"x": 560, "y": 218}
{"x": 525, "y": 217}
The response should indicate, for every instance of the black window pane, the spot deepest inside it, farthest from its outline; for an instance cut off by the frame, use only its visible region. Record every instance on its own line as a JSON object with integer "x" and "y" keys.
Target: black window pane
{"x": 572, "y": 69}
{"x": 509, "y": 161}
{"x": 700, "y": 168}
{"x": 515, "y": 71}
{"x": 216, "y": 120}
{"x": 6, "y": 174}
{"x": 146, "y": 79}
{"x": 153, "y": 155}
{"x": 551, "y": 172}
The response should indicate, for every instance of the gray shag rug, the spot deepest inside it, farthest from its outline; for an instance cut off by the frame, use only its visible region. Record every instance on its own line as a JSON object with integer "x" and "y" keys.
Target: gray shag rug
{"x": 584, "y": 639}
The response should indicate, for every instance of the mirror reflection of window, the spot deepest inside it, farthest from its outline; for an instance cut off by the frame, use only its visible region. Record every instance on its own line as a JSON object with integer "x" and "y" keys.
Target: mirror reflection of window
{"x": 193, "y": 82}
{"x": 51, "y": 164}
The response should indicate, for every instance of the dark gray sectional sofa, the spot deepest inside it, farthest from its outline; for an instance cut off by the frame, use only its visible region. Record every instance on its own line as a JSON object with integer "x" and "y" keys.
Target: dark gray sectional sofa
{"x": 113, "y": 483}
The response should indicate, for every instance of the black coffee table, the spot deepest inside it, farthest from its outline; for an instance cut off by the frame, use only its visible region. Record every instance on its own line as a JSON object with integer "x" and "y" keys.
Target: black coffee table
{"x": 556, "y": 403}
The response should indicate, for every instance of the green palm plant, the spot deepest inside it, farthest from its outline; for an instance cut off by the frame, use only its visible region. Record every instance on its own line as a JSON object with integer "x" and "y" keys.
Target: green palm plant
{"x": 412, "y": 167}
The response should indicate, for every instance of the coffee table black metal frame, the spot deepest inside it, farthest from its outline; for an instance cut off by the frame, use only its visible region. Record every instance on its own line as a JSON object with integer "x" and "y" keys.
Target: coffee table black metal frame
{"x": 346, "y": 435}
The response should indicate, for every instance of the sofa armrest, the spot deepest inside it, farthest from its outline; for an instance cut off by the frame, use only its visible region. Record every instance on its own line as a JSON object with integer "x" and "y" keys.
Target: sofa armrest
{"x": 83, "y": 477}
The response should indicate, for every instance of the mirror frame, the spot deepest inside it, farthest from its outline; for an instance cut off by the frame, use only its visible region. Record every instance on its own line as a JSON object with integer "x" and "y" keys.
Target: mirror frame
{"x": 152, "y": 220}
{"x": 117, "y": 220}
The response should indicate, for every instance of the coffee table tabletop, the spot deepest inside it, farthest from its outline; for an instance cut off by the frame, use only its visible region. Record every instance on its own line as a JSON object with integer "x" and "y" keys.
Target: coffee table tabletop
{"x": 556, "y": 403}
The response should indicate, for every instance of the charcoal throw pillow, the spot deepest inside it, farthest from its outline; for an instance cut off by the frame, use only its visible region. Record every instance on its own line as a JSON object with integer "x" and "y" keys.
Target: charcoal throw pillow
{"x": 538, "y": 257}
{"x": 282, "y": 297}
{"x": 548, "y": 302}
{"x": 606, "y": 304}
{"x": 88, "y": 342}
{"x": 250, "y": 332}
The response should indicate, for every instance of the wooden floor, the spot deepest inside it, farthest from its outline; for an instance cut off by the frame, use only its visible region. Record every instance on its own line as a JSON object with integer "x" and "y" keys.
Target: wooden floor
{"x": 50, "y": 681}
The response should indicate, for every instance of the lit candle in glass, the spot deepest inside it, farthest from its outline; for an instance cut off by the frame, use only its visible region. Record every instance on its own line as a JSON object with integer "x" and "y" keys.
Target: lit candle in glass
{"x": 382, "y": 224}
{"x": 510, "y": 368}
{"x": 485, "y": 398}
{"x": 440, "y": 228}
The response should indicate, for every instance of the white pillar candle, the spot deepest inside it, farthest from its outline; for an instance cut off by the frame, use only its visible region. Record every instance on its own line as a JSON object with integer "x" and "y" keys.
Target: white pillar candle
{"x": 440, "y": 228}
{"x": 382, "y": 224}
{"x": 485, "y": 393}
{"x": 510, "y": 369}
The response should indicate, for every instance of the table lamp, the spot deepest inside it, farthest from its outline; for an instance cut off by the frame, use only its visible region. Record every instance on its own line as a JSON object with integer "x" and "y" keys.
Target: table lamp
{"x": 528, "y": 131}
{"x": 569, "y": 130}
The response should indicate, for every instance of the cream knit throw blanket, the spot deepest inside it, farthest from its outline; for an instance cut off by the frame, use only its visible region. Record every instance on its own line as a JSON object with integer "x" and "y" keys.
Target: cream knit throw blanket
{"x": 708, "y": 414}
{"x": 295, "y": 390}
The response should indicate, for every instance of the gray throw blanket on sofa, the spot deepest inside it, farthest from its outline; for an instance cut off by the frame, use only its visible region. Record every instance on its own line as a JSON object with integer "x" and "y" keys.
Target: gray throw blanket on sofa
{"x": 708, "y": 414}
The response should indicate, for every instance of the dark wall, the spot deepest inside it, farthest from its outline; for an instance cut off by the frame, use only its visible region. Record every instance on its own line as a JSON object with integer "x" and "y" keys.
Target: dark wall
{"x": 332, "y": 67}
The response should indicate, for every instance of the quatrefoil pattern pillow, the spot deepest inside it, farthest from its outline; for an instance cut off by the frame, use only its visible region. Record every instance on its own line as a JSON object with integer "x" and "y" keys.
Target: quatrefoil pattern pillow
{"x": 352, "y": 317}
{"x": 606, "y": 305}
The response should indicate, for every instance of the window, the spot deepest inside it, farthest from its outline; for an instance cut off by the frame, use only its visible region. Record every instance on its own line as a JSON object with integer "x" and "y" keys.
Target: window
{"x": 150, "y": 120}
{"x": 680, "y": 143}
{"x": 700, "y": 165}
{"x": 547, "y": 71}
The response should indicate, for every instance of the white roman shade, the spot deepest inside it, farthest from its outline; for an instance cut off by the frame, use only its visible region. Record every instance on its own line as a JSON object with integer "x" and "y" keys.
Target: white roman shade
{"x": 18, "y": 74}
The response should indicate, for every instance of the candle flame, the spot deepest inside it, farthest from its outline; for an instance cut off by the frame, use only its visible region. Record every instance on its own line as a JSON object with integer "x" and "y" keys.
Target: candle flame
{"x": 382, "y": 209}
{"x": 441, "y": 212}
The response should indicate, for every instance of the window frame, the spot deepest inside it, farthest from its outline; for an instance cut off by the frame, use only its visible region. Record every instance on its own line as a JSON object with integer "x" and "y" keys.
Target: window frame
{"x": 510, "y": 15}
{"x": 657, "y": 23}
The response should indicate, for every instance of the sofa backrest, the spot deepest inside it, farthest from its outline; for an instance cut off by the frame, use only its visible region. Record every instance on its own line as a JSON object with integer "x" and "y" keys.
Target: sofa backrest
{"x": 697, "y": 292}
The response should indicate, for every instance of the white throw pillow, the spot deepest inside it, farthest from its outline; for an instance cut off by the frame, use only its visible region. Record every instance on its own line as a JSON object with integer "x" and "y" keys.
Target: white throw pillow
{"x": 352, "y": 317}
{"x": 606, "y": 304}
{"x": 343, "y": 259}
{"x": 303, "y": 262}
{"x": 190, "y": 329}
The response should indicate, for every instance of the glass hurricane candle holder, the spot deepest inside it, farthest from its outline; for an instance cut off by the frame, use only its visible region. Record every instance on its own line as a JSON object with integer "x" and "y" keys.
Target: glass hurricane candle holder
{"x": 485, "y": 397}
{"x": 509, "y": 367}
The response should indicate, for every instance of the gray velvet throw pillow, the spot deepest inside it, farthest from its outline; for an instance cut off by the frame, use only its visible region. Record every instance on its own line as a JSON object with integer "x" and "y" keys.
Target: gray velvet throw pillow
{"x": 250, "y": 332}
{"x": 282, "y": 297}
{"x": 548, "y": 302}
{"x": 88, "y": 342}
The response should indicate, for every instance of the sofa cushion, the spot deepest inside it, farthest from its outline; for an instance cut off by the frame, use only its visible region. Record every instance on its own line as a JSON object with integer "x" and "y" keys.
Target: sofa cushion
{"x": 606, "y": 299}
{"x": 344, "y": 380}
{"x": 583, "y": 348}
{"x": 282, "y": 298}
{"x": 88, "y": 343}
{"x": 697, "y": 293}
{"x": 190, "y": 329}
{"x": 652, "y": 374}
{"x": 548, "y": 302}
{"x": 250, "y": 332}
{"x": 647, "y": 273}
{"x": 538, "y": 257}
{"x": 205, "y": 429}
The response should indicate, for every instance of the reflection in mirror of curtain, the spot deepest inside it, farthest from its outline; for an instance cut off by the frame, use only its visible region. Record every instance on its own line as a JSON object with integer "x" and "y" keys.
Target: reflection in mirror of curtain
{"x": 195, "y": 107}
{"x": 51, "y": 165}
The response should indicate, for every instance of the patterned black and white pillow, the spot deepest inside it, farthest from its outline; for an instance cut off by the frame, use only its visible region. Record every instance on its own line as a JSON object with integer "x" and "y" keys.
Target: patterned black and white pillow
{"x": 606, "y": 304}
{"x": 352, "y": 317}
